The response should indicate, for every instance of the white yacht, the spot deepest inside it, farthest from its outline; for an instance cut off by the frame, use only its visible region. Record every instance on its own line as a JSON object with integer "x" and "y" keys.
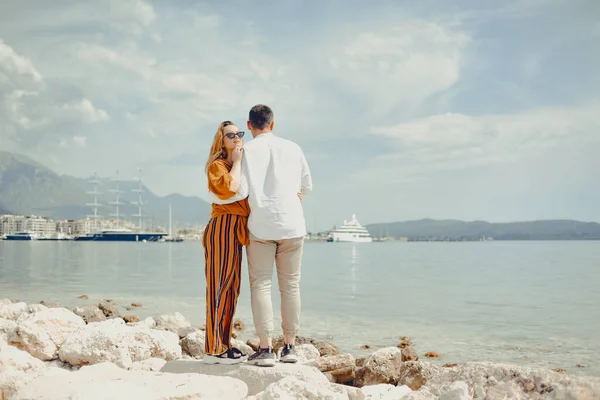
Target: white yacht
{"x": 351, "y": 231}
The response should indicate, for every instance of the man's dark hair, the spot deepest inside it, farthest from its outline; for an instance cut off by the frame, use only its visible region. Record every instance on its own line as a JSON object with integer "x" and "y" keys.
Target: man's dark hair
{"x": 260, "y": 116}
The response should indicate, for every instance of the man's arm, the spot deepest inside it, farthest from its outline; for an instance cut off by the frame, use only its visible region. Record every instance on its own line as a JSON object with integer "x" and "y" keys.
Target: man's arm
{"x": 306, "y": 181}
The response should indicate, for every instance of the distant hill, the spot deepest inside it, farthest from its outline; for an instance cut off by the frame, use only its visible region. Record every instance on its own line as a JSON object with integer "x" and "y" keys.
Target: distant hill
{"x": 27, "y": 187}
{"x": 453, "y": 229}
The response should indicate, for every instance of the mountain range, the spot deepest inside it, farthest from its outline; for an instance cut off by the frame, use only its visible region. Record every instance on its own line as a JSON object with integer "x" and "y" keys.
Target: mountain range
{"x": 29, "y": 188}
{"x": 452, "y": 229}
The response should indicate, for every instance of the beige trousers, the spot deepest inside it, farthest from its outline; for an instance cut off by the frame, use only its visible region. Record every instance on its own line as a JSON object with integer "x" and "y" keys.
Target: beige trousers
{"x": 287, "y": 256}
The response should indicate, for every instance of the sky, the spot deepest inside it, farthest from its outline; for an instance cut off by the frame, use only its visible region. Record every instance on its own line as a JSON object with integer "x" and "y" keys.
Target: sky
{"x": 405, "y": 110}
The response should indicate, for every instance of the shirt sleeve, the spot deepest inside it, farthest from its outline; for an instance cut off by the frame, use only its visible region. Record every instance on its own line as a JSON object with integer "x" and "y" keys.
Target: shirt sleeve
{"x": 306, "y": 182}
{"x": 219, "y": 180}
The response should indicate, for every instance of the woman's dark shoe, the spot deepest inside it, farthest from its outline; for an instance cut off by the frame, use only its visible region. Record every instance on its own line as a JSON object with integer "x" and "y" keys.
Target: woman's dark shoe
{"x": 228, "y": 357}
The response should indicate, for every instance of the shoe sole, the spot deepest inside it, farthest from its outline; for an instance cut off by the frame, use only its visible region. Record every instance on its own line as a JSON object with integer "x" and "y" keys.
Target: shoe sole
{"x": 289, "y": 359}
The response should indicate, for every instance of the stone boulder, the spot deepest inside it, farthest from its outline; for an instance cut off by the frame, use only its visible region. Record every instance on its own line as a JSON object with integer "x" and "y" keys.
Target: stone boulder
{"x": 257, "y": 379}
{"x": 42, "y": 333}
{"x": 416, "y": 374}
{"x": 109, "y": 309}
{"x": 193, "y": 344}
{"x": 107, "y": 381}
{"x": 383, "y": 366}
{"x": 151, "y": 364}
{"x": 90, "y": 313}
{"x": 459, "y": 390}
{"x": 408, "y": 354}
{"x": 307, "y": 353}
{"x": 171, "y": 322}
{"x": 17, "y": 368}
{"x": 384, "y": 391}
{"x": 292, "y": 388}
{"x": 6, "y": 328}
{"x": 338, "y": 368}
{"x": 114, "y": 341}
{"x": 12, "y": 310}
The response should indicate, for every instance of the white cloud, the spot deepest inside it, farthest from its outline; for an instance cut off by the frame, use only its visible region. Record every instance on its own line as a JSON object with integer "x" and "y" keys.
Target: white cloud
{"x": 455, "y": 141}
{"x": 131, "y": 15}
{"x": 401, "y": 65}
{"x": 87, "y": 111}
{"x": 80, "y": 141}
{"x": 207, "y": 21}
{"x": 13, "y": 63}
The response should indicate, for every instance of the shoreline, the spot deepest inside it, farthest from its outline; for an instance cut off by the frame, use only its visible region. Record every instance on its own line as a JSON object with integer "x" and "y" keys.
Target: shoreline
{"x": 41, "y": 342}
{"x": 555, "y": 353}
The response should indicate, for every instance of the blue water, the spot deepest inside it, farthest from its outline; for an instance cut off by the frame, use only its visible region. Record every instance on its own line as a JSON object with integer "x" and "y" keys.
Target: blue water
{"x": 530, "y": 303}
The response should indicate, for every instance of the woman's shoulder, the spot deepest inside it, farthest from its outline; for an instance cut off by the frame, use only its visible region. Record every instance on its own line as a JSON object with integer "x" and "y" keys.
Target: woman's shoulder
{"x": 220, "y": 163}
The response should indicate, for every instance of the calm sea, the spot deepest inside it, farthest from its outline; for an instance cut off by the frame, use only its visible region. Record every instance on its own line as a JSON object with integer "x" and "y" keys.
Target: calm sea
{"x": 529, "y": 303}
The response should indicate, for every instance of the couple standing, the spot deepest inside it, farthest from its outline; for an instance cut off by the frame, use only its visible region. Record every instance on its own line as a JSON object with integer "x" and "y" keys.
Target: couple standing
{"x": 257, "y": 202}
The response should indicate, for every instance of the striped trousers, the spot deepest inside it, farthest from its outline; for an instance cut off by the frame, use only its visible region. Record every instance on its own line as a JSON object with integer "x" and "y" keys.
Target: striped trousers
{"x": 223, "y": 264}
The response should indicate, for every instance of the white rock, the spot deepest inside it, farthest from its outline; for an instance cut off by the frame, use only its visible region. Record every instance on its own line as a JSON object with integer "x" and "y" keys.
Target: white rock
{"x": 257, "y": 378}
{"x": 32, "y": 308}
{"x": 151, "y": 364}
{"x": 43, "y": 332}
{"x": 150, "y": 322}
{"x": 292, "y": 388}
{"x": 385, "y": 392}
{"x": 90, "y": 313}
{"x": 107, "y": 381}
{"x": 505, "y": 390}
{"x": 12, "y": 358}
{"x": 383, "y": 366}
{"x": 17, "y": 367}
{"x": 171, "y": 322}
{"x": 352, "y": 393}
{"x": 583, "y": 389}
{"x": 459, "y": 390}
{"x": 11, "y": 310}
{"x": 6, "y": 328}
{"x": 307, "y": 353}
{"x": 193, "y": 344}
{"x": 114, "y": 341}
{"x": 421, "y": 394}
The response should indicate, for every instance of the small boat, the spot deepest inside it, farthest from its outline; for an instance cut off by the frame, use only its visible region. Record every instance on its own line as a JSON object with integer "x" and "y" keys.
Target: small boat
{"x": 21, "y": 236}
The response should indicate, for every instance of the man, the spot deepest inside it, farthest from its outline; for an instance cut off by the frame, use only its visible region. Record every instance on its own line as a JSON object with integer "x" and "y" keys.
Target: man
{"x": 275, "y": 171}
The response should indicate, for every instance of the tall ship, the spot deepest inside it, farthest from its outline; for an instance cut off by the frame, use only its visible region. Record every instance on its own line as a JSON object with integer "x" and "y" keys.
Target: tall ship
{"x": 117, "y": 233}
{"x": 350, "y": 231}
{"x": 121, "y": 235}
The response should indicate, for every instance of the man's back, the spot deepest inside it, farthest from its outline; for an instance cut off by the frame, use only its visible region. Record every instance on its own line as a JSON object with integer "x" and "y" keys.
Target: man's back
{"x": 275, "y": 170}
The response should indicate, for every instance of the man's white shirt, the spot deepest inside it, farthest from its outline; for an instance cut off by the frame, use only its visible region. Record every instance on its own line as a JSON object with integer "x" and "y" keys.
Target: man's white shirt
{"x": 274, "y": 170}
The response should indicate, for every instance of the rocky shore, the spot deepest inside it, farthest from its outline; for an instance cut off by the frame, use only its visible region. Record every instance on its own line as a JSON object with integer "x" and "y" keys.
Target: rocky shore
{"x": 94, "y": 352}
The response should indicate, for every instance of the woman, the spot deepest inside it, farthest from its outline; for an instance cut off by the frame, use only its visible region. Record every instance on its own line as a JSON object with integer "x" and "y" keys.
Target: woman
{"x": 223, "y": 239}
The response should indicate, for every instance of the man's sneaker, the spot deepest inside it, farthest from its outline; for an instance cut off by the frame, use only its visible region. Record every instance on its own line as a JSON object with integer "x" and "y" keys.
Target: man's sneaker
{"x": 288, "y": 354}
{"x": 263, "y": 357}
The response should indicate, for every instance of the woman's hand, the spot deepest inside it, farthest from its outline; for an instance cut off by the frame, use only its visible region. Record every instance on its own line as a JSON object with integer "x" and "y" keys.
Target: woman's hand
{"x": 237, "y": 154}
{"x": 300, "y": 195}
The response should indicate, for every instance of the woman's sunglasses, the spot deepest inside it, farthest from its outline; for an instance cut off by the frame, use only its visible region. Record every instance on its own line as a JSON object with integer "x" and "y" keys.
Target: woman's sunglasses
{"x": 239, "y": 134}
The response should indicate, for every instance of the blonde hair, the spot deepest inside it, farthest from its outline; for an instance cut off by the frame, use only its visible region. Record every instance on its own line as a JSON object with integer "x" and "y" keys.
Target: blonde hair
{"x": 217, "y": 150}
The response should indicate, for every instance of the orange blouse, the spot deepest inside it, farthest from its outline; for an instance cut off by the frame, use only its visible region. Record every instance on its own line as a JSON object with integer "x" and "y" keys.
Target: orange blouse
{"x": 219, "y": 180}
